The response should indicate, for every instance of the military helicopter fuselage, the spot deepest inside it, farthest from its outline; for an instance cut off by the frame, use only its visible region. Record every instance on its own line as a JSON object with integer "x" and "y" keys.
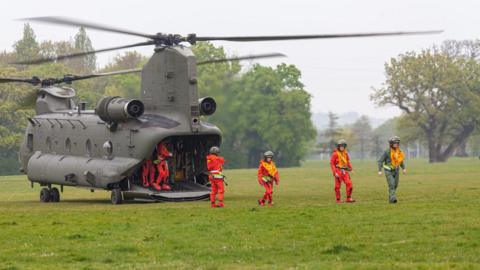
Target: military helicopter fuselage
{"x": 104, "y": 148}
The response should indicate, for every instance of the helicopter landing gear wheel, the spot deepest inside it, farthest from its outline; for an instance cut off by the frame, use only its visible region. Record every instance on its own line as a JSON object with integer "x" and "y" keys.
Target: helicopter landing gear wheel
{"x": 116, "y": 197}
{"x": 54, "y": 195}
{"x": 45, "y": 195}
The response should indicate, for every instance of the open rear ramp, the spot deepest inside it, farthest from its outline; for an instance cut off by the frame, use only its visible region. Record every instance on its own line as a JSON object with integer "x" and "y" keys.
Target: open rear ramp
{"x": 182, "y": 191}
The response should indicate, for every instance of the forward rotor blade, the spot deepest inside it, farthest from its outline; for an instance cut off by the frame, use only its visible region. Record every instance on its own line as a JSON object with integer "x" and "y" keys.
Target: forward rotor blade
{"x": 326, "y": 36}
{"x": 33, "y": 80}
{"x": 79, "y": 54}
{"x": 80, "y": 23}
{"x": 257, "y": 56}
{"x": 71, "y": 78}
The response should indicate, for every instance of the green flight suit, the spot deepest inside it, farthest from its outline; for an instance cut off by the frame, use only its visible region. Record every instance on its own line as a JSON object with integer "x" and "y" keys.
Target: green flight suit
{"x": 392, "y": 174}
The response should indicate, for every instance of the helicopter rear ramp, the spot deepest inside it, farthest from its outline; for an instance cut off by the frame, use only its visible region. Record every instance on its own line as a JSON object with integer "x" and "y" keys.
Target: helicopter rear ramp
{"x": 182, "y": 191}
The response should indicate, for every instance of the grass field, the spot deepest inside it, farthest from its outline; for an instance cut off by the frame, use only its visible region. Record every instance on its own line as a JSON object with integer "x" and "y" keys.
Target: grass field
{"x": 435, "y": 225}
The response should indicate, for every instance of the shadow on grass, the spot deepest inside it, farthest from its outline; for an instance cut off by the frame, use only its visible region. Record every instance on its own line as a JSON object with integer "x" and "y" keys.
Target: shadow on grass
{"x": 76, "y": 236}
{"x": 106, "y": 201}
{"x": 9, "y": 223}
{"x": 10, "y": 268}
{"x": 126, "y": 249}
{"x": 30, "y": 202}
{"x": 337, "y": 249}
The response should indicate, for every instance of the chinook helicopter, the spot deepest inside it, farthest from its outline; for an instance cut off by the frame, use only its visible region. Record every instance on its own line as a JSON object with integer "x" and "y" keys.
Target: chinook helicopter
{"x": 105, "y": 148}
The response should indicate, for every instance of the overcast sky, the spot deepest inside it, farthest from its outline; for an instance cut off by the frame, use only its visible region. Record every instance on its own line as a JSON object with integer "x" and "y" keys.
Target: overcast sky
{"x": 338, "y": 73}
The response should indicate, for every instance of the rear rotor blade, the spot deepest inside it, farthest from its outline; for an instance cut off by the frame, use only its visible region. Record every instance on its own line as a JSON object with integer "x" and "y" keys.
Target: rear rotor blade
{"x": 80, "y": 23}
{"x": 79, "y": 54}
{"x": 257, "y": 56}
{"x": 326, "y": 36}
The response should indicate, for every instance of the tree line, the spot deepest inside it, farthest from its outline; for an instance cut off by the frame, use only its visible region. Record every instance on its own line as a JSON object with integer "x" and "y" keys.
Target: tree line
{"x": 367, "y": 142}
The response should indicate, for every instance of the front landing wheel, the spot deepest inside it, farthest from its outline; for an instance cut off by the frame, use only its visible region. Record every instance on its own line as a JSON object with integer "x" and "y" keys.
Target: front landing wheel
{"x": 116, "y": 197}
{"x": 54, "y": 195}
{"x": 45, "y": 195}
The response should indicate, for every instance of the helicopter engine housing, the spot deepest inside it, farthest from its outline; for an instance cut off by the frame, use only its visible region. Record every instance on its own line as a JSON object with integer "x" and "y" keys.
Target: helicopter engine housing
{"x": 115, "y": 109}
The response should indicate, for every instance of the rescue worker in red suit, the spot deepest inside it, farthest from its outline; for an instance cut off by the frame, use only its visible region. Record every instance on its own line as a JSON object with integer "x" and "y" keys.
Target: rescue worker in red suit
{"x": 267, "y": 174}
{"x": 161, "y": 183}
{"x": 341, "y": 169}
{"x": 216, "y": 177}
{"x": 148, "y": 172}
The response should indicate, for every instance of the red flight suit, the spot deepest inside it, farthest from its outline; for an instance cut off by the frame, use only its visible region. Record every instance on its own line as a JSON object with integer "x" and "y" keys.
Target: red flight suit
{"x": 215, "y": 169}
{"x": 340, "y": 173}
{"x": 266, "y": 180}
{"x": 162, "y": 167}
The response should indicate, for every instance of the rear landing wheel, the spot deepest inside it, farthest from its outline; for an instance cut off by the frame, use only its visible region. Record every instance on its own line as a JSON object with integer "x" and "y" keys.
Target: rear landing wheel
{"x": 116, "y": 197}
{"x": 45, "y": 195}
{"x": 54, "y": 195}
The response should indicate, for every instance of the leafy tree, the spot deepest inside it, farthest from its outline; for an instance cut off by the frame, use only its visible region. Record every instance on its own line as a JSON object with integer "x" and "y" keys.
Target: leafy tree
{"x": 27, "y": 48}
{"x": 52, "y": 49}
{"x": 362, "y": 133}
{"x": 127, "y": 85}
{"x": 128, "y": 60}
{"x": 12, "y": 115}
{"x": 381, "y": 134}
{"x": 333, "y": 132}
{"x": 463, "y": 48}
{"x": 261, "y": 109}
{"x": 439, "y": 93}
{"x": 215, "y": 79}
{"x": 6, "y": 58}
{"x": 82, "y": 43}
{"x": 272, "y": 113}
{"x": 474, "y": 145}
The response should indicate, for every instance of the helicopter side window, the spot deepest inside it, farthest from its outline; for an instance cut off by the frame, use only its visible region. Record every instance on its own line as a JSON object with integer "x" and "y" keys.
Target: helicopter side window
{"x": 88, "y": 146}
{"x": 68, "y": 145}
{"x": 30, "y": 142}
{"x": 108, "y": 148}
{"x": 49, "y": 144}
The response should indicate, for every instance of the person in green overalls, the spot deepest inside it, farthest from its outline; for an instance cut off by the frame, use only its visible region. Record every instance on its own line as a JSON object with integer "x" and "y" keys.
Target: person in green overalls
{"x": 391, "y": 161}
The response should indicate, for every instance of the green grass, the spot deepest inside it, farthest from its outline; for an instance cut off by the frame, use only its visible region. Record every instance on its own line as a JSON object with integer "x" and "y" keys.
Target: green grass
{"x": 435, "y": 225}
